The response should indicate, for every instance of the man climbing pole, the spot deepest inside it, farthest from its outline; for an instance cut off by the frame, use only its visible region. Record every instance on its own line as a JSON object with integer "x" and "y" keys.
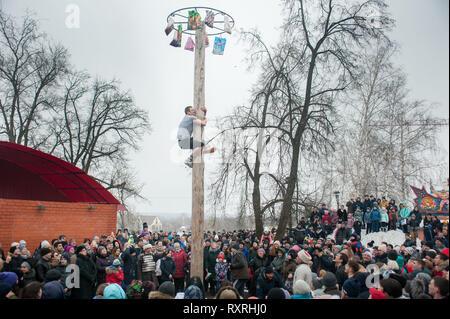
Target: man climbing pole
{"x": 185, "y": 132}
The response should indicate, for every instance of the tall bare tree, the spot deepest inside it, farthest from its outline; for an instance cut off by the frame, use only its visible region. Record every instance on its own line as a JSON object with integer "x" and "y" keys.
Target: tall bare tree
{"x": 30, "y": 68}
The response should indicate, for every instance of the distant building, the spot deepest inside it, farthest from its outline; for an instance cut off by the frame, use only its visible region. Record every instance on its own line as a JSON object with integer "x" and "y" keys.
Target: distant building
{"x": 153, "y": 222}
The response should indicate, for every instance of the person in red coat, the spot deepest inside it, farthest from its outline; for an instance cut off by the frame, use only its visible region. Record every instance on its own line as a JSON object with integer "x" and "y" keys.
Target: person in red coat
{"x": 114, "y": 273}
{"x": 179, "y": 258}
{"x": 326, "y": 217}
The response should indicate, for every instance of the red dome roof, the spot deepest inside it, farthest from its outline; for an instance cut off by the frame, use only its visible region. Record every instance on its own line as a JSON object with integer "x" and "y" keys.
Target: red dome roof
{"x": 29, "y": 174}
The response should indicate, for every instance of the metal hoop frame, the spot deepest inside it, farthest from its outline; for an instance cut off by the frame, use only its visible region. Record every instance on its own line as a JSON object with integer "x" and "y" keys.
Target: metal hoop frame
{"x": 178, "y": 13}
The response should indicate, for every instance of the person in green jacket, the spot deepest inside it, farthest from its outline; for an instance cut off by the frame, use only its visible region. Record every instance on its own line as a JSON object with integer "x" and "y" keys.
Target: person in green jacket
{"x": 210, "y": 264}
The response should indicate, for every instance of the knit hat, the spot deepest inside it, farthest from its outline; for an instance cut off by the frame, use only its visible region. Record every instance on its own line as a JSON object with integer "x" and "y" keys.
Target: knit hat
{"x": 351, "y": 287}
{"x": 193, "y": 292}
{"x": 12, "y": 249}
{"x": 147, "y": 247}
{"x": 68, "y": 248}
{"x": 329, "y": 280}
{"x": 9, "y": 278}
{"x": 268, "y": 270}
{"x": 80, "y": 248}
{"x": 114, "y": 291}
{"x": 235, "y": 246}
{"x": 392, "y": 255}
{"x": 221, "y": 255}
{"x": 383, "y": 248}
{"x": 276, "y": 293}
{"x": 296, "y": 248}
{"x": 304, "y": 256}
{"x": 301, "y": 288}
{"x": 431, "y": 253}
{"x": 400, "y": 278}
{"x": 410, "y": 250}
{"x": 376, "y": 294}
{"x": 116, "y": 262}
{"x": 167, "y": 288}
{"x": 53, "y": 274}
{"x": 135, "y": 290}
{"x": 45, "y": 251}
{"x": 26, "y": 264}
{"x": 445, "y": 251}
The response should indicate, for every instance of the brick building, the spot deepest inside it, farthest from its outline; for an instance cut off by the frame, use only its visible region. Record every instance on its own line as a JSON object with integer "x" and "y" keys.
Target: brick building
{"x": 42, "y": 197}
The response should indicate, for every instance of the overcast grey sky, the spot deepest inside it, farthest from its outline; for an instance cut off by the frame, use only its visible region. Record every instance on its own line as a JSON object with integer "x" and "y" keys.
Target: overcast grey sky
{"x": 126, "y": 40}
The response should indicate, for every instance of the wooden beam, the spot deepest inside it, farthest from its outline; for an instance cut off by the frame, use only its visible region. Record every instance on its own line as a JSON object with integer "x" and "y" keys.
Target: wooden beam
{"x": 198, "y": 162}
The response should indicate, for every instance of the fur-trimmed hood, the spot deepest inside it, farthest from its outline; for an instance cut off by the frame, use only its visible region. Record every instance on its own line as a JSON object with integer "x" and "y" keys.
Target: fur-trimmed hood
{"x": 111, "y": 270}
{"x": 158, "y": 295}
{"x": 442, "y": 266}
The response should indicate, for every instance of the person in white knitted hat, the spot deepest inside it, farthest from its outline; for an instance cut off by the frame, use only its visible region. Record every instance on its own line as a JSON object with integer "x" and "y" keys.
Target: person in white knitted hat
{"x": 303, "y": 270}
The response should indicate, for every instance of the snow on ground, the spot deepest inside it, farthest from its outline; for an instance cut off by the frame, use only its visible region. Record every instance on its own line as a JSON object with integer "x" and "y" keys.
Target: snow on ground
{"x": 393, "y": 237}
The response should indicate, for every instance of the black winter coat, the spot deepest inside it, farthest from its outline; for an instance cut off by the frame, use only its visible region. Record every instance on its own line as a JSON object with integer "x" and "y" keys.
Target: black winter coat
{"x": 167, "y": 268}
{"x": 257, "y": 264}
{"x": 88, "y": 274}
{"x": 42, "y": 266}
{"x": 129, "y": 266}
{"x": 264, "y": 284}
{"x": 101, "y": 264}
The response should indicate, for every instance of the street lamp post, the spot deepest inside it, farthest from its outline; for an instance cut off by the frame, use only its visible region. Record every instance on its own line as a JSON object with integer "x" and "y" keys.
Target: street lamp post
{"x": 336, "y": 193}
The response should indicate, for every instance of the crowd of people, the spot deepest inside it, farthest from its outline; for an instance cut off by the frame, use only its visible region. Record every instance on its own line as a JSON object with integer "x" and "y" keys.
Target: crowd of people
{"x": 321, "y": 258}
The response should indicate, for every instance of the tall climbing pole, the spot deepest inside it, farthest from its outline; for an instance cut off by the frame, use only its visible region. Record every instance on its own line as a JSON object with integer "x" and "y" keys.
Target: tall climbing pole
{"x": 221, "y": 23}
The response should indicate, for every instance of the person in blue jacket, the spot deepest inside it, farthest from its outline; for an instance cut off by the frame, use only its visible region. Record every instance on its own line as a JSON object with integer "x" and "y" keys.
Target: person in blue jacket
{"x": 375, "y": 216}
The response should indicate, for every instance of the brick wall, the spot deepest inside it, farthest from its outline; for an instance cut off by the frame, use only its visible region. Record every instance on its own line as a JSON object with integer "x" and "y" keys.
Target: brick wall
{"x": 22, "y": 219}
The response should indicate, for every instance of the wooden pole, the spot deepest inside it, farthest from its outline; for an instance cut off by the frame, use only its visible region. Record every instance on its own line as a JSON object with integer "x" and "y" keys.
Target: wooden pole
{"x": 198, "y": 163}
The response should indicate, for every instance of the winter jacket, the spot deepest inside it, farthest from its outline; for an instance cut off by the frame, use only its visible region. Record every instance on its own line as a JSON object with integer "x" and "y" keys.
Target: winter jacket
{"x": 129, "y": 266}
{"x": 358, "y": 216}
{"x": 101, "y": 263}
{"x": 211, "y": 259}
{"x": 257, "y": 264}
{"x": 404, "y": 213}
{"x": 384, "y": 217}
{"x": 367, "y": 217}
{"x": 264, "y": 284}
{"x": 277, "y": 263}
{"x": 167, "y": 267}
{"x": 29, "y": 277}
{"x": 146, "y": 267}
{"x": 179, "y": 259}
{"x": 239, "y": 267}
{"x": 53, "y": 290}
{"x": 42, "y": 267}
{"x": 88, "y": 275}
{"x": 341, "y": 235}
{"x": 289, "y": 266}
{"x": 349, "y": 221}
{"x": 326, "y": 217}
{"x": 375, "y": 215}
{"x": 414, "y": 224}
{"x": 221, "y": 271}
{"x": 324, "y": 262}
{"x": 14, "y": 264}
{"x": 303, "y": 272}
{"x": 341, "y": 275}
{"x": 114, "y": 275}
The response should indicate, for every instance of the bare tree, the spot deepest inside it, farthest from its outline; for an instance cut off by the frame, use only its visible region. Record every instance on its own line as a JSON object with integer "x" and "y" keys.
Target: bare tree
{"x": 30, "y": 69}
{"x": 332, "y": 37}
